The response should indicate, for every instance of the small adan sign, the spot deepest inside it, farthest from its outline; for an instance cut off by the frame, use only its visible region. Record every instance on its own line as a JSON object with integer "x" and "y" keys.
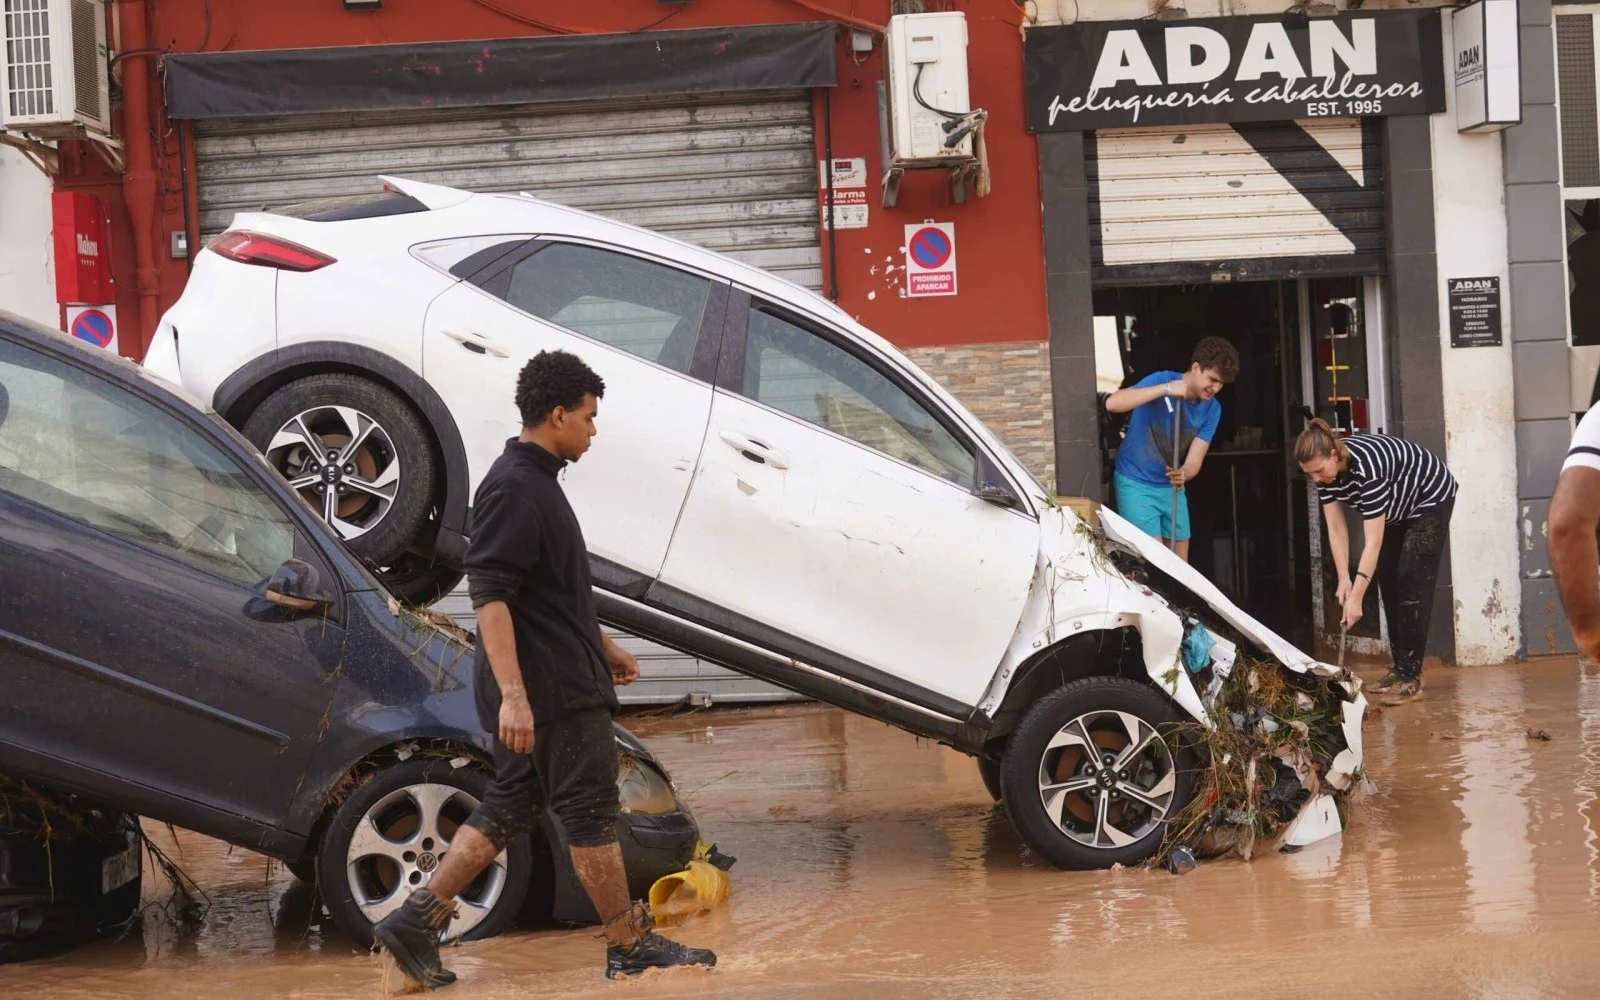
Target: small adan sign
{"x": 1474, "y": 312}
{"x": 97, "y": 325}
{"x": 930, "y": 259}
{"x": 1121, "y": 74}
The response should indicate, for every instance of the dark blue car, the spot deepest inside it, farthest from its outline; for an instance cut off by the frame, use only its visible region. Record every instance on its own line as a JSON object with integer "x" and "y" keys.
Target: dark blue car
{"x": 181, "y": 637}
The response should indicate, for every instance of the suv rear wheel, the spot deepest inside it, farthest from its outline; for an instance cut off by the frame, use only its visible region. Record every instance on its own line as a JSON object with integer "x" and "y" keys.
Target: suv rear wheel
{"x": 357, "y": 453}
{"x": 1095, "y": 771}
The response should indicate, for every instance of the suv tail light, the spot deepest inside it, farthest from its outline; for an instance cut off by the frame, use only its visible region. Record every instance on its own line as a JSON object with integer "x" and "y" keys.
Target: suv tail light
{"x": 267, "y": 251}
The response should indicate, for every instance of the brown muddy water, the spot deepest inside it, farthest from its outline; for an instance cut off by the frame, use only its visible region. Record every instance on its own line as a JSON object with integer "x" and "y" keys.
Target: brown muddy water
{"x": 873, "y": 865}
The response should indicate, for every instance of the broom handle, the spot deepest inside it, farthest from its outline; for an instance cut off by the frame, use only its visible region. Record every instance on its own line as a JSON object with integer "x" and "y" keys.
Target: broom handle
{"x": 1177, "y": 428}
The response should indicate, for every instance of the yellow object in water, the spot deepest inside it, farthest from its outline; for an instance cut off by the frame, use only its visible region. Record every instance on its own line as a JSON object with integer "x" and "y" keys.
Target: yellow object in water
{"x": 696, "y": 889}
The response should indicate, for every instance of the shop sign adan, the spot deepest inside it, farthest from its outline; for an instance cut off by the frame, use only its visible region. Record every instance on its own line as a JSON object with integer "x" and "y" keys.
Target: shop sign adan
{"x": 1118, "y": 74}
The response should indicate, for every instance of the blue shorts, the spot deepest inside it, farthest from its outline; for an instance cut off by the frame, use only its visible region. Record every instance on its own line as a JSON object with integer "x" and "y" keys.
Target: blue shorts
{"x": 1150, "y": 507}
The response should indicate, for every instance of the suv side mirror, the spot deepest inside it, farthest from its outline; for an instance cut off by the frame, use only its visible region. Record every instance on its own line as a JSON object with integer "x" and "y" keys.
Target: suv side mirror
{"x": 297, "y": 586}
{"x": 991, "y": 488}
{"x": 999, "y": 496}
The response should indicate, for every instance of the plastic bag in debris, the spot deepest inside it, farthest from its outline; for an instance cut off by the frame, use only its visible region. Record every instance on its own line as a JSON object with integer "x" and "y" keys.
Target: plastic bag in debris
{"x": 697, "y": 889}
{"x": 1197, "y": 649}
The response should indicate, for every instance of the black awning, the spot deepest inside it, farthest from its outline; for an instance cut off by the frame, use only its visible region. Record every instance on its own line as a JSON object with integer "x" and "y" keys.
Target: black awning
{"x": 499, "y": 71}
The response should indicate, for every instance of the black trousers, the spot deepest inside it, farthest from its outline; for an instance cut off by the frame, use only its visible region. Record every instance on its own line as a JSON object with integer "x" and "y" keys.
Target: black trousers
{"x": 572, "y": 771}
{"x": 1408, "y": 569}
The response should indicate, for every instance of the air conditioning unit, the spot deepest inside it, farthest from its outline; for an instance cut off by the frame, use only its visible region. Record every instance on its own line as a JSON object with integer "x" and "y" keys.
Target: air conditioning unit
{"x": 928, "y": 99}
{"x": 54, "y": 78}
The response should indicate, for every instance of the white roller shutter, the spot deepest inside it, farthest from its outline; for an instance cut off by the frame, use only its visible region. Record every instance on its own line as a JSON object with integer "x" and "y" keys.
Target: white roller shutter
{"x": 1222, "y": 192}
{"x": 736, "y": 173}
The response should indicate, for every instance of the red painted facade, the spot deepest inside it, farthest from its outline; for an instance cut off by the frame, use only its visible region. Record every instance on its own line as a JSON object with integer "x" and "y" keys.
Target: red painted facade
{"x": 999, "y": 242}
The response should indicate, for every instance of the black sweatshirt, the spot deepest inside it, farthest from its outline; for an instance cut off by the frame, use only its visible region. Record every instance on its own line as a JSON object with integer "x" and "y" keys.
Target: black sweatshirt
{"x": 527, "y": 550}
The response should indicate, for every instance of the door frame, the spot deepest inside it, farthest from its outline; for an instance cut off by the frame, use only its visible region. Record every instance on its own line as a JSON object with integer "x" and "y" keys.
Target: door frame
{"x": 1373, "y": 316}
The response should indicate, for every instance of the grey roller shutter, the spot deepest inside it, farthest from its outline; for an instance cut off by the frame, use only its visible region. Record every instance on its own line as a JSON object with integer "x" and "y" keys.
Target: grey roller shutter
{"x": 1289, "y": 191}
{"x": 736, "y": 173}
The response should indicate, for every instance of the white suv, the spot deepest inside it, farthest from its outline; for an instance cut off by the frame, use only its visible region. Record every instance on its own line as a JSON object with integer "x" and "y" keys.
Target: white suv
{"x": 775, "y": 488}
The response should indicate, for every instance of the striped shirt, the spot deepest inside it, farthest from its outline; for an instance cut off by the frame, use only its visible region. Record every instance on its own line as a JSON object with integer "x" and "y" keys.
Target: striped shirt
{"x": 1389, "y": 477}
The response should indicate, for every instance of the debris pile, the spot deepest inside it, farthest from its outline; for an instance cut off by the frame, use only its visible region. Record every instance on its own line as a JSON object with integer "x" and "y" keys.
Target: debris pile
{"x": 1279, "y": 752}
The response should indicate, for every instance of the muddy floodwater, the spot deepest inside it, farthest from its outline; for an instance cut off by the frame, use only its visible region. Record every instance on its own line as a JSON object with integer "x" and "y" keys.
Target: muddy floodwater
{"x": 873, "y": 865}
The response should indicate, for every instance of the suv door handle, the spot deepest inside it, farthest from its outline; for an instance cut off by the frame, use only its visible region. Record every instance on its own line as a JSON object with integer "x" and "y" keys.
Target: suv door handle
{"x": 756, "y": 451}
{"x": 477, "y": 343}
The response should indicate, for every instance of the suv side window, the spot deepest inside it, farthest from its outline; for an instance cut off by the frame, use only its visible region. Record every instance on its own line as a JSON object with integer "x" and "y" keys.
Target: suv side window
{"x": 791, "y": 369}
{"x": 86, "y": 448}
{"x": 649, "y": 310}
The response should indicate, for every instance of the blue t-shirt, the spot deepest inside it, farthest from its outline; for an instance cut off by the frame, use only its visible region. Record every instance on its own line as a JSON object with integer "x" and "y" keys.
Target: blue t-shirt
{"x": 1146, "y": 450}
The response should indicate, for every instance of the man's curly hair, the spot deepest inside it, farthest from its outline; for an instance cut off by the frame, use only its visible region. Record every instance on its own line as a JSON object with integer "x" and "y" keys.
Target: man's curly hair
{"x": 1217, "y": 354}
{"x": 552, "y": 379}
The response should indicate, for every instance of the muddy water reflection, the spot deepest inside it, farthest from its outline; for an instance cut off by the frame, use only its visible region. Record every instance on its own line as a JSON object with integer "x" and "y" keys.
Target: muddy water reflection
{"x": 873, "y": 865}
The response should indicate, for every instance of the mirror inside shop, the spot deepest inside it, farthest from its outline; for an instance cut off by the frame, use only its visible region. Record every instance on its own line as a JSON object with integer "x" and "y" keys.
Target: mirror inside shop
{"x": 1305, "y": 347}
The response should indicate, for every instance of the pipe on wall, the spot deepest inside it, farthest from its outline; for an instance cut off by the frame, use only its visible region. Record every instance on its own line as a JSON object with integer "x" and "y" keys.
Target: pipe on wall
{"x": 140, "y": 182}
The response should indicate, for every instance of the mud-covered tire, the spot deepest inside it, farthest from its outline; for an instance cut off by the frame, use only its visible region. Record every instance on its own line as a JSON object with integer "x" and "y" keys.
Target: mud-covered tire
{"x": 384, "y": 799}
{"x": 989, "y": 771}
{"x": 1034, "y": 773}
{"x": 388, "y": 529}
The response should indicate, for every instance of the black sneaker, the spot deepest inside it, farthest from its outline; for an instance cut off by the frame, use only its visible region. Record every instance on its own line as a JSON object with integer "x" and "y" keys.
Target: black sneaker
{"x": 1384, "y": 683}
{"x": 1406, "y": 690}
{"x": 411, "y": 935}
{"x": 654, "y": 952}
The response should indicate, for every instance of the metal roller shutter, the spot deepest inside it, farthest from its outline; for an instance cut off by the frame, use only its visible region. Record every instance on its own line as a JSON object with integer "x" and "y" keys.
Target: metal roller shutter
{"x": 736, "y": 173}
{"x": 1209, "y": 193}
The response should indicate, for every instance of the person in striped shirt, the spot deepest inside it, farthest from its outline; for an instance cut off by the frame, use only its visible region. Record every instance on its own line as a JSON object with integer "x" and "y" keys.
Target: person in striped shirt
{"x": 1405, "y": 495}
{"x": 1574, "y": 518}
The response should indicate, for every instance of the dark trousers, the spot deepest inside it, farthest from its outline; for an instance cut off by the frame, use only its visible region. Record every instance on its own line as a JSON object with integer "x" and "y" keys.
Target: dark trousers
{"x": 572, "y": 772}
{"x": 1408, "y": 568}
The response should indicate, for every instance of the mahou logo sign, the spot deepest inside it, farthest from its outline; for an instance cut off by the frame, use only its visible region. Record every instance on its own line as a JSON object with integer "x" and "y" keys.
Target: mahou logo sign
{"x": 1116, "y": 74}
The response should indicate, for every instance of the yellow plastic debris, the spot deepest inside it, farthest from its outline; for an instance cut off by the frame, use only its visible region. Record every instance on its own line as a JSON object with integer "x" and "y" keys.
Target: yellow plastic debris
{"x": 696, "y": 889}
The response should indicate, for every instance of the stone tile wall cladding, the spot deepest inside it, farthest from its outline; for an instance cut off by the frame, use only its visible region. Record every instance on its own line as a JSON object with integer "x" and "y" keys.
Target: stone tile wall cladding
{"x": 1008, "y": 387}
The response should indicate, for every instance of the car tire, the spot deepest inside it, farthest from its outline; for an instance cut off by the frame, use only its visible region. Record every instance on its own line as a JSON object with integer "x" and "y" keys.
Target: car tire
{"x": 357, "y": 886}
{"x": 1055, "y": 777}
{"x": 382, "y": 530}
{"x": 989, "y": 771}
{"x": 419, "y": 581}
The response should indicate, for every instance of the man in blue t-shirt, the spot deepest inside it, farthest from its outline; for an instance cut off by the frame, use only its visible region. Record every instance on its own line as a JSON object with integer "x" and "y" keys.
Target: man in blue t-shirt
{"x": 1145, "y": 478}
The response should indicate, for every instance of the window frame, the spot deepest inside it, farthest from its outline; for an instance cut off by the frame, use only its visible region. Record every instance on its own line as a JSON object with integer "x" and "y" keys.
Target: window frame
{"x": 301, "y": 518}
{"x": 495, "y": 281}
{"x": 730, "y": 379}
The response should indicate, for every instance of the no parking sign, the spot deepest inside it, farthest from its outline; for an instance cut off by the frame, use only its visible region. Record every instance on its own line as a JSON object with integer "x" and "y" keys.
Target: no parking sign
{"x": 930, "y": 259}
{"x": 95, "y": 325}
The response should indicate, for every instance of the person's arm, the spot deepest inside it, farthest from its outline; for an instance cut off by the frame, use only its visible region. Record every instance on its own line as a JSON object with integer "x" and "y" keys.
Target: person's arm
{"x": 500, "y": 644}
{"x": 505, "y": 547}
{"x": 1574, "y": 554}
{"x": 1133, "y": 397}
{"x": 624, "y": 667}
{"x": 1191, "y": 463}
{"x": 1372, "y": 545}
{"x": 1338, "y": 546}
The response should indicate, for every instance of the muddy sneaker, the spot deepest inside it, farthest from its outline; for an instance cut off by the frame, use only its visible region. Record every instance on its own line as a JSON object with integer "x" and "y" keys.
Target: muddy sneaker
{"x": 654, "y": 952}
{"x": 1406, "y": 690}
{"x": 1384, "y": 683}
{"x": 411, "y": 935}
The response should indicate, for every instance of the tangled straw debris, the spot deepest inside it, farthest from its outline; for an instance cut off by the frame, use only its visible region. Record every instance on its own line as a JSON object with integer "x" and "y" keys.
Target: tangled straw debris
{"x": 1275, "y": 752}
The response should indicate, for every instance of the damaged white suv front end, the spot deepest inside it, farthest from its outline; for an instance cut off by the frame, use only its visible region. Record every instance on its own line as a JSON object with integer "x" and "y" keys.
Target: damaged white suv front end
{"x": 1256, "y": 746}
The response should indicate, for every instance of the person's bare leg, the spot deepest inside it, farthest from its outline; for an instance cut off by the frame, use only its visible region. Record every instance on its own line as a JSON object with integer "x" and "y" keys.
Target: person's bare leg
{"x": 606, "y": 881}
{"x": 469, "y": 854}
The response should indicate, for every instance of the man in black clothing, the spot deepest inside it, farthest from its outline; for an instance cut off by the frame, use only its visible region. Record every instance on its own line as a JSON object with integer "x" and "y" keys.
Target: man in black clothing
{"x": 545, "y": 685}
